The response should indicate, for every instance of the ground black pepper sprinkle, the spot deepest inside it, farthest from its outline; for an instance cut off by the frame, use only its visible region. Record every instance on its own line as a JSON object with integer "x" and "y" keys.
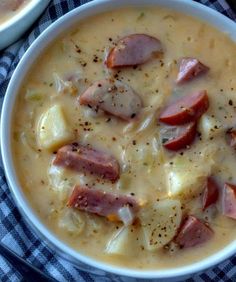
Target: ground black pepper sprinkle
{"x": 95, "y": 59}
{"x": 230, "y": 102}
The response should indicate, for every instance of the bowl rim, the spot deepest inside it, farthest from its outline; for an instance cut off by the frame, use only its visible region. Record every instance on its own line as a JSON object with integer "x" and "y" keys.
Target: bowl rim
{"x": 45, "y": 39}
{"x": 24, "y": 11}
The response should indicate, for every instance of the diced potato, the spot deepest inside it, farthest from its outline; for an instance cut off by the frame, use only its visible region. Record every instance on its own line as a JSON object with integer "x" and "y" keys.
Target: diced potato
{"x": 124, "y": 242}
{"x": 186, "y": 175}
{"x": 53, "y": 130}
{"x": 209, "y": 127}
{"x": 160, "y": 223}
{"x": 184, "y": 184}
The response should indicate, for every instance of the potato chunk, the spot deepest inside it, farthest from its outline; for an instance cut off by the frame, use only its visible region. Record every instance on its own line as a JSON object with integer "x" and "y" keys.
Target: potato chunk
{"x": 186, "y": 175}
{"x": 160, "y": 223}
{"x": 53, "y": 130}
{"x": 124, "y": 242}
{"x": 185, "y": 184}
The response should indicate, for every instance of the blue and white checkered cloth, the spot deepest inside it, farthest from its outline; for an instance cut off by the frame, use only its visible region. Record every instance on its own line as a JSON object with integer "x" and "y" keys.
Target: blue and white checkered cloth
{"x": 14, "y": 231}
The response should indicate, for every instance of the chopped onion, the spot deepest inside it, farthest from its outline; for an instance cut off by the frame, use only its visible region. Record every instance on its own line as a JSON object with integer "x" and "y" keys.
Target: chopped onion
{"x": 106, "y": 53}
{"x": 129, "y": 127}
{"x": 77, "y": 79}
{"x": 74, "y": 76}
{"x": 72, "y": 221}
{"x": 169, "y": 132}
{"x": 90, "y": 113}
{"x": 155, "y": 146}
{"x": 146, "y": 123}
{"x": 146, "y": 118}
{"x": 63, "y": 86}
{"x": 126, "y": 215}
{"x": 62, "y": 181}
{"x": 125, "y": 165}
{"x": 58, "y": 181}
{"x": 28, "y": 140}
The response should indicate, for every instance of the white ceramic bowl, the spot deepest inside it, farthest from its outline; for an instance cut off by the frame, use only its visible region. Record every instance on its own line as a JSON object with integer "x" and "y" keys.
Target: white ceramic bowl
{"x": 15, "y": 26}
{"x": 64, "y": 23}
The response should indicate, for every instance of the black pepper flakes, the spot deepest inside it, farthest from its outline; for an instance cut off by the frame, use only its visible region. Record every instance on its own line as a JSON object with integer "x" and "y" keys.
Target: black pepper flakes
{"x": 95, "y": 58}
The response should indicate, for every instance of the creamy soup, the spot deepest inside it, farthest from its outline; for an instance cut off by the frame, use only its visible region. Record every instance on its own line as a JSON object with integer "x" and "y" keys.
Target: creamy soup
{"x": 123, "y": 138}
{"x": 9, "y": 8}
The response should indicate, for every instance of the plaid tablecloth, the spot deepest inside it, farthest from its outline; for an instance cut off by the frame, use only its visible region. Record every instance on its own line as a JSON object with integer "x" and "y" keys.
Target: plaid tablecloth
{"x": 14, "y": 231}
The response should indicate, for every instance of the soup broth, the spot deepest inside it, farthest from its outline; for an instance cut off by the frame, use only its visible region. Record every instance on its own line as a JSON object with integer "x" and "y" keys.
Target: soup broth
{"x": 167, "y": 185}
{"x": 9, "y": 8}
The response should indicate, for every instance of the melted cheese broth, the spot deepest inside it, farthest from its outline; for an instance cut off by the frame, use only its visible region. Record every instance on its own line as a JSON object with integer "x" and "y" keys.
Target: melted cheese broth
{"x": 144, "y": 163}
{"x": 9, "y": 8}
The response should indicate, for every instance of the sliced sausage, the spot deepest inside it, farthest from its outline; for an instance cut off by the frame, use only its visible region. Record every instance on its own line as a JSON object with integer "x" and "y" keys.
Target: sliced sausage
{"x": 229, "y": 200}
{"x": 186, "y": 109}
{"x": 210, "y": 193}
{"x": 133, "y": 50}
{"x": 178, "y": 137}
{"x": 101, "y": 203}
{"x": 193, "y": 232}
{"x": 190, "y": 68}
{"x": 113, "y": 97}
{"x": 86, "y": 159}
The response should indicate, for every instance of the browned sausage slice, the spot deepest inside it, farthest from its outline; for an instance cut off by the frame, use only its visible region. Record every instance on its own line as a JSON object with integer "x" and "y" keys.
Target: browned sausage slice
{"x": 210, "y": 193}
{"x": 193, "y": 232}
{"x": 186, "y": 109}
{"x": 101, "y": 203}
{"x": 86, "y": 159}
{"x": 113, "y": 97}
{"x": 178, "y": 137}
{"x": 132, "y": 50}
{"x": 190, "y": 68}
{"x": 229, "y": 200}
